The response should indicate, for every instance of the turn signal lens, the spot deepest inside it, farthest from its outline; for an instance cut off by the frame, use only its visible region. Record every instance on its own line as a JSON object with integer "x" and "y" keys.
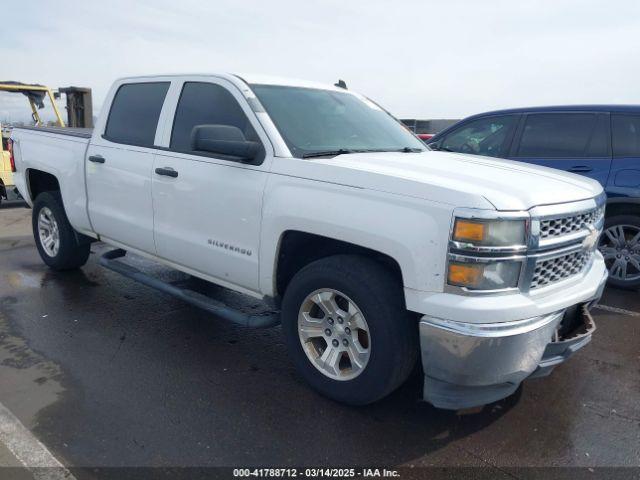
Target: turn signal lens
{"x": 468, "y": 231}
{"x": 497, "y": 275}
{"x": 465, "y": 274}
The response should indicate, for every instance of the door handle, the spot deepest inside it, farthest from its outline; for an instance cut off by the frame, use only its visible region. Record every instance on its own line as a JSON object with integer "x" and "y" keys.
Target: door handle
{"x": 580, "y": 169}
{"x": 97, "y": 159}
{"x": 167, "y": 172}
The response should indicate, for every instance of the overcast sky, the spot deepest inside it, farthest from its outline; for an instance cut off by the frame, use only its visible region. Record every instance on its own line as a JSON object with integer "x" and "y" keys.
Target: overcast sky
{"x": 424, "y": 59}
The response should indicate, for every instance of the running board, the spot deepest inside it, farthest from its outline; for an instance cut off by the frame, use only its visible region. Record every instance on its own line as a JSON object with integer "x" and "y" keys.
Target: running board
{"x": 264, "y": 320}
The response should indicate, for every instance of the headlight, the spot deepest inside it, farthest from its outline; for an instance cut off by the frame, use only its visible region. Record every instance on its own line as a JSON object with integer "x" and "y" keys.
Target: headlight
{"x": 495, "y": 275}
{"x": 489, "y": 233}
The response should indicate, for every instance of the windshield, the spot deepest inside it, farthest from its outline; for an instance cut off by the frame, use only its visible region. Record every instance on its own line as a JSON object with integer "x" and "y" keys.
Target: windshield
{"x": 313, "y": 121}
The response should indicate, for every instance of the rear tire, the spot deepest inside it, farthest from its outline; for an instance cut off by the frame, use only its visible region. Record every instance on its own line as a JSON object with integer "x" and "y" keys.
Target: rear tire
{"x": 59, "y": 245}
{"x": 382, "y": 338}
{"x": 620, "y": 245}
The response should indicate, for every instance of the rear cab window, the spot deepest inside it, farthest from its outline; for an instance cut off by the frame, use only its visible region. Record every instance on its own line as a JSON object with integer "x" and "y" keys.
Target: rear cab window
{"x": 134, "y": 114}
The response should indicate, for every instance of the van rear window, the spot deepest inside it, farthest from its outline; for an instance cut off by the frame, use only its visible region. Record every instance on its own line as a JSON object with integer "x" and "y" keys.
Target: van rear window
{"x": 626, "y": 135}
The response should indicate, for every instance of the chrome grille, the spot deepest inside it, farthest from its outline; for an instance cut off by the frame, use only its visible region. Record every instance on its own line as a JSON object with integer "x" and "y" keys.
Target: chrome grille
{"x": 559, "y": 268}
{"x": 560, "y": 226}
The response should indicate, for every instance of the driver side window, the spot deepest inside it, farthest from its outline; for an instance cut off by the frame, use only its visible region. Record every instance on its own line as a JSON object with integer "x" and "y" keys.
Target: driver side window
{"x": 485, "y": 136}
{"x": 204, "y": 104}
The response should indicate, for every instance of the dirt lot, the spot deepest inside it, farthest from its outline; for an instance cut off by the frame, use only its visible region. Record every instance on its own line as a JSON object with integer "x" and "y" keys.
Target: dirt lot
{"x": 108, "y": 373}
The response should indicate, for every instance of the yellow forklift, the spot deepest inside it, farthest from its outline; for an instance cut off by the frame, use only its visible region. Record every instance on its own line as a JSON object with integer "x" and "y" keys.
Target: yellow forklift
{"x": 36, "y": 95}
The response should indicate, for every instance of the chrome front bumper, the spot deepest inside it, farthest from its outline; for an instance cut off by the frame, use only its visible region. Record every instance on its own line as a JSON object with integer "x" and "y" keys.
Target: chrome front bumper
{"x": 471, "y": 364}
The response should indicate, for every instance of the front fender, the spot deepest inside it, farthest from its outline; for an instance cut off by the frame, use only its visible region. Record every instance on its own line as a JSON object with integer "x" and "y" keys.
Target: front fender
{"x": 414, "y": 232}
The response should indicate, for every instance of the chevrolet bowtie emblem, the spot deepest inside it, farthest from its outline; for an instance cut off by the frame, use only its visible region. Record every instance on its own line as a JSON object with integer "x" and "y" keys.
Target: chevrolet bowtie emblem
{"x": 591, "y": 240}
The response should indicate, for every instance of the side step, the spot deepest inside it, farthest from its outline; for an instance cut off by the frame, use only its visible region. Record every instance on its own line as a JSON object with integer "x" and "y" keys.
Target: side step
{"x": 268, "y": 319}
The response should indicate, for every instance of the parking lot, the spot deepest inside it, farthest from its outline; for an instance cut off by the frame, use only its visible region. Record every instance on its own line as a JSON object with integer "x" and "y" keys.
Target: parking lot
{"x": 109, "y": 373}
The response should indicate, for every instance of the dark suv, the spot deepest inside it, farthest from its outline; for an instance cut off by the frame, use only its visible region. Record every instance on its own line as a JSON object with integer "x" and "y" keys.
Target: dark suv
{"x": 599, "y": 141}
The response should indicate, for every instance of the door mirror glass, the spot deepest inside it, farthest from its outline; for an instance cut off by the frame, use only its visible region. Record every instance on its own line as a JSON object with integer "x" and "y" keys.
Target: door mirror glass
{"x": 224, "y": 140}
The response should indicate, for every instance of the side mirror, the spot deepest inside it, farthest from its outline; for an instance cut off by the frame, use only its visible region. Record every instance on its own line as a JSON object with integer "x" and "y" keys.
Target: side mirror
{"x": 433, "y": 146}
{"x": 224, "y": 140}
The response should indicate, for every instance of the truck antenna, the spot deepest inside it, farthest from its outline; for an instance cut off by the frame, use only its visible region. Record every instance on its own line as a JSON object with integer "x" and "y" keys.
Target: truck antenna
{"x": 341, "y": 84}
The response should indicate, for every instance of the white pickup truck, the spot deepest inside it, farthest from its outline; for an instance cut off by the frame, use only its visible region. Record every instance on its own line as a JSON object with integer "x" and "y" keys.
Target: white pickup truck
{"x": 373, "y": 250}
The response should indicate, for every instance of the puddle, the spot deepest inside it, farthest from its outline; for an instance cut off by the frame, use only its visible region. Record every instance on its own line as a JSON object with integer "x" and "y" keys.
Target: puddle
{"x": 22, "y": 280}
{"x": 29, "y": 382}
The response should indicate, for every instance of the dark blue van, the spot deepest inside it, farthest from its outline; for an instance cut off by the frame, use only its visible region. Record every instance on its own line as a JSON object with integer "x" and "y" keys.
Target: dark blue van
{"x": 599, "y": 141}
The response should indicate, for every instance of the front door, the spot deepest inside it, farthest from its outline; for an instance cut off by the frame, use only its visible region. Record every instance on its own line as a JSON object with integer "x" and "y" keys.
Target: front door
{"x": 208, "y": 207}
{"x": 119, "y": 165}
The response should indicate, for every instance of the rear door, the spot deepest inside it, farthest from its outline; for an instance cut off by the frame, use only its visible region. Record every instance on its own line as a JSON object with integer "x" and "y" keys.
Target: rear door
{"x": 119, "y": 164}
{"x": 577, "y": 142}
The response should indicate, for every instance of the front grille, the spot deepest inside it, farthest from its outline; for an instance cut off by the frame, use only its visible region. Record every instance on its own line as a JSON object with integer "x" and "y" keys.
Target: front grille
{"x": 559, "y": 268}
{"x": 560, "y": 226}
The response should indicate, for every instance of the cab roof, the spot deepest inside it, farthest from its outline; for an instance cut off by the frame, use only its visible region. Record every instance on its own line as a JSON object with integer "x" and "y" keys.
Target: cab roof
{"x": 250, "y": 78}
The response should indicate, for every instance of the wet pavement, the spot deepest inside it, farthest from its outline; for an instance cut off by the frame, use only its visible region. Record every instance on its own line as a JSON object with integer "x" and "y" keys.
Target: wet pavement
{"x": 107, "y": 372}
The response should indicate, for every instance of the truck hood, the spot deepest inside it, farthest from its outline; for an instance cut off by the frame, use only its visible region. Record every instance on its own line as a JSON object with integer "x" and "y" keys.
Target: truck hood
{"x": 458, "y": 179}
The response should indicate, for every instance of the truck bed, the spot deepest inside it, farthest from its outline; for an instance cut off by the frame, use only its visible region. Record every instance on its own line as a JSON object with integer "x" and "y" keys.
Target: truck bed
{"x": 59, "y": 152}
{"x": 73, "y": 132}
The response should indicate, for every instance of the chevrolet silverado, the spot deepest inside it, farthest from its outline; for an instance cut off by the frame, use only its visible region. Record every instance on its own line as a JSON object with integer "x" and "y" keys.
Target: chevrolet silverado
{"x": 375, "y": 252}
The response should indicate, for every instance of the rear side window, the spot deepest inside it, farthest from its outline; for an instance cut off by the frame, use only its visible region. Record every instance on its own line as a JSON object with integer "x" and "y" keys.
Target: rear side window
{"x": 559, "y": 135}
{"x": 626, "y": 135}
{"x": 206, "y": 104}
{"x": 485, "y": 136}
{"x": 134, "y": 113}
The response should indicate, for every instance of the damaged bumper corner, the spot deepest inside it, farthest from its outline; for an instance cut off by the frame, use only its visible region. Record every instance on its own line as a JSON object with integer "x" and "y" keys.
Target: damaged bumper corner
{"x": 467, "y": 365}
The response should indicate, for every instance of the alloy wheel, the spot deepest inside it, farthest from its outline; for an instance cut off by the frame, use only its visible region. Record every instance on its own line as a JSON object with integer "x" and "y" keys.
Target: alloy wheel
{"x": 334, "y": 334}
{"x": 48, "y": 232}
{"x": 620, "y": 246}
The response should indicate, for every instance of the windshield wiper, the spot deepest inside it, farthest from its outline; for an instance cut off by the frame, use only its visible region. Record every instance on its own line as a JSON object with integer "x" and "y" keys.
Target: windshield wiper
{"x": 410, "y": 150}
{"x": 343, "y": 151}
{"x": 328, "y": 153}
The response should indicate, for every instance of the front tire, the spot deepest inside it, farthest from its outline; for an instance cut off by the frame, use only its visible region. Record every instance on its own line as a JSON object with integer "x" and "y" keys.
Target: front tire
{"x": 58, "y": 243}
{"x": 347, "y": 329}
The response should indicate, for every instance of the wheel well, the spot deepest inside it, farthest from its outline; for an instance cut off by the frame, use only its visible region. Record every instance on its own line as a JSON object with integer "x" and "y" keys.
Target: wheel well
{"x": 623, "y": 208}
{"x": 298, "y": 249}
{"x": 40, "y": 181}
